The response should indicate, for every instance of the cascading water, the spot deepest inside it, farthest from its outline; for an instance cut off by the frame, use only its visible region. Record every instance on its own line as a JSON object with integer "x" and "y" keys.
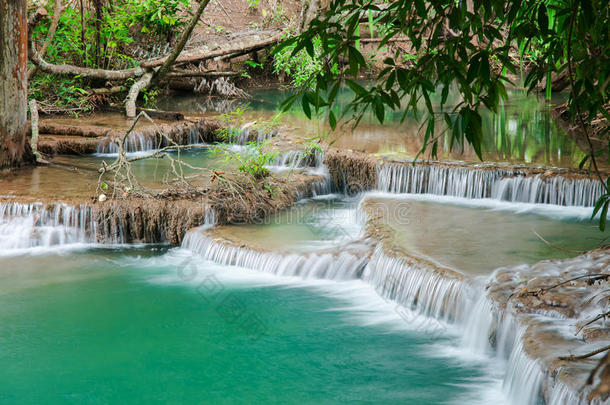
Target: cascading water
{"x": 149, "y": 140}
{"x": 423, "y": 288}
{"x": 475, "y": 183}
{"x": 295, "y": 159}
{"x": 38, "y": 225}
{"x": 435, "y": 293}
{"x": 555, "y": 190}
{"x": 135, "y": 142}
{"x": 524, "y": 375}
{"x": 343, "y": 266}
{"x": 24, "y": 226}
{"x": 247, "y": 134}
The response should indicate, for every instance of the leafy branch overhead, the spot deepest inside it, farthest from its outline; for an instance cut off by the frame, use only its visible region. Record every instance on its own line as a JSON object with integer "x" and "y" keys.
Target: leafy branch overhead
{"x": 476, "y": 48}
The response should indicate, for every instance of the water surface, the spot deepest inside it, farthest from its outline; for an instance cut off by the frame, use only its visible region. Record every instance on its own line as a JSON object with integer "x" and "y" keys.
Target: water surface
{"x": 143, "y": 326}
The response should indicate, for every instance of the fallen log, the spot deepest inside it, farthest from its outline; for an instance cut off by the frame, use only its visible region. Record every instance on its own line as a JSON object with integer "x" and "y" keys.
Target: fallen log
{"x": 109, "y": 90}
{"x": 194, "y": 73}
{"x": 239, "y": 49}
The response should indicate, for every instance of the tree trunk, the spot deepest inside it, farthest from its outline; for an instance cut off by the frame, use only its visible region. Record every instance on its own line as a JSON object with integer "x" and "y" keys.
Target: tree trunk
{"x": 14, "y": 150}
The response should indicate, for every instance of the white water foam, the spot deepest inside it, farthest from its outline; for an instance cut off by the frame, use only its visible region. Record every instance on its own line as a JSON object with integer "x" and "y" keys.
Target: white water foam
{"x": 555, "y": 212}
{"x": 494, "y": 183}
{"x": 38, "y": 227}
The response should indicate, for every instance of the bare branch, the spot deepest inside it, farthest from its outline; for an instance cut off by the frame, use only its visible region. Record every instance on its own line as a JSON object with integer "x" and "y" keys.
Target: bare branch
{"x": 134, "y": 91}
{"x": 240, "y": 48}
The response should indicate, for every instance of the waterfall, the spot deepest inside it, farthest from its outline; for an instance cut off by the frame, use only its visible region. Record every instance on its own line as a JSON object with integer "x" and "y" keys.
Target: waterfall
{"x": 149, "y": 139}
{"x": 247, "y": 134}
{"x": 500, "y": 184}
{"x": 342, "y": 266}
{"x": 524, "y": 376}
{"x": 479, "y": 325}
{"x": 437, "y": 293}
{"x": 135, "y": 142}
{"x": 24, "y": 226}
{"x": 555, "y": 190}
{"x": 561, "y": 395}
{"x": 30, "y": 225}
{"x": 296, "y": 159}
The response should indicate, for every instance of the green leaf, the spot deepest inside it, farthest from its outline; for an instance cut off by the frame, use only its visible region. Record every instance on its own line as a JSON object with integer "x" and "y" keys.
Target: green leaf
{"x": 379, "y": 110}
{"x": 356, "y": 88}
{"x": 583, "y": 161}
{"x": 306, "y": 108}
{"x": 603, "y": 216}
{"x": 332, "y": 120}
{"x": 421, "y": 8}
{"x": 598, "y": 205}
{"x": 543, "y": 19}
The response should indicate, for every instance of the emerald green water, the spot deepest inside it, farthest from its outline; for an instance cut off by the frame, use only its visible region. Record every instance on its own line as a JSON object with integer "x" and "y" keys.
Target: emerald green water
{"x": 126, "y": 326}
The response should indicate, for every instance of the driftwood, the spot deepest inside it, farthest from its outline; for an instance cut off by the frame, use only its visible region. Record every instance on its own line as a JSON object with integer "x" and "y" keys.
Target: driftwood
{"x": 34, "y": 121}
{"x": 169, "y": 61}
{"x": 134, "y": 91}
{"x": 86, "y": 131}
{"x": 164, "y": 115}
{"x": 154, "y": 77}
{"x": 150, "y": 73}
{"x": 108, "y": 90}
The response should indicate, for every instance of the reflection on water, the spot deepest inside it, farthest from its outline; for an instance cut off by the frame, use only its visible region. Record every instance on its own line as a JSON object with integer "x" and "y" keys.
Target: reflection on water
{"x": 523, "y": 130}
{"x": 77, "y": 176}
{"x": 310, "y": 225}
{"x": 480, "y": 236}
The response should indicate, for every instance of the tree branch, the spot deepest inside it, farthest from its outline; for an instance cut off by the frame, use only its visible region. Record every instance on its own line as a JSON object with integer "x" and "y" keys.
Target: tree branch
{"x": 169, "y": 61}
{"x": 57, "y": 10}
{"x": 134, "y": 91}
{"x": 46, "y": 67}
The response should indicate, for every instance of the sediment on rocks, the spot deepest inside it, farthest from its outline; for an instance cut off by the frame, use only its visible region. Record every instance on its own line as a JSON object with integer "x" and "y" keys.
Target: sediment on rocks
{"x": 515, "y": 183}
{"x": 351, "y": 172}
{"x": 58, "y": 139}
{"x": 555, "y": 303}
{"x": 254, "y": 202}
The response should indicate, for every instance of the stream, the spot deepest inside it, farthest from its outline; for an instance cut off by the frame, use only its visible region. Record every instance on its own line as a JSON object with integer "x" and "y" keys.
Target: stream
{"x": 300, "y": 308}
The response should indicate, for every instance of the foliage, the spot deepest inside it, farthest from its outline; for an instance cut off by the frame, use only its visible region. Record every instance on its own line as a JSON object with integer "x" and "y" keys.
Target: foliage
{"x": 469, "y": 44}
{"x": 252, "y": 158}
{"x": 120, "y": 22}
{"x": 312, "y": 146}
{"x": 66, "y": 93}
{"x": 301, "y": 66}
{"x": 158, "y": 16}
